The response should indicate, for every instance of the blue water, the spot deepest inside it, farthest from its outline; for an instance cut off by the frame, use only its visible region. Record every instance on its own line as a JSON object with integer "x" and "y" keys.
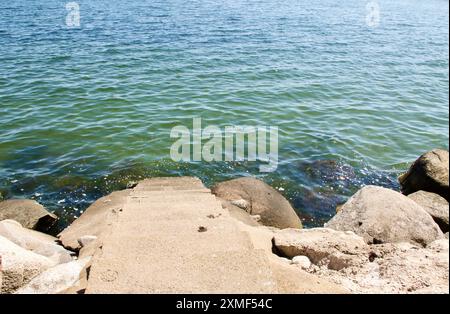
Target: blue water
{"x": 84, "y": 111}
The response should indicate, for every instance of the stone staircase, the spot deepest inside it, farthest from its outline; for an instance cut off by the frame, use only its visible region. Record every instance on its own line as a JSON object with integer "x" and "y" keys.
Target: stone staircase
{"x": 173, "y": 236}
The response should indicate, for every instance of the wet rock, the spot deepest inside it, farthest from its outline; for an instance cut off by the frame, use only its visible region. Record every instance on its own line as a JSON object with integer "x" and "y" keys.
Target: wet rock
{"x": 34, "y": 241}
{"x": 262, "y": 200}
{"x": 28, "y": 213}
{"x": 381, "y": 215}
{"x": 435, "y": 205}
{"x": 428, "y": 173}
{"x": 19, "y": 266}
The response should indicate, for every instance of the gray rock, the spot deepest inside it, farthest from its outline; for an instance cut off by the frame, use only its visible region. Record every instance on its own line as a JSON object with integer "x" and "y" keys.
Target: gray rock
{"x": 34, "y": 241}
{"x": 381, "y": 215}
{"x": 263, "y": 200}
{"x": 428, "y": 173}
{"x": 55, "y": 280}
{"x": 435, "y": 205}
{"x": 28, "y": 213}
{"x": 19, "y": 266}
{"x": 324, "y": 247}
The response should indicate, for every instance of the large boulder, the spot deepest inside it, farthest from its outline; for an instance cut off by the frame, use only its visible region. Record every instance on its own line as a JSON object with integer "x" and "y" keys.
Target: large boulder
{"x": 55, "y": 280}
{"x": 435, "y": 205}
{"x": 94, "y": 220}
{"x": 259, "y": 199}
{"x": 19, "y": 266}
{"x": 28, "y": 213}
{"x": 381, "y": 215}
{"x": 428, "y": 173}
{"x": 324, "y": 247}
{"x": 34, "y": 241}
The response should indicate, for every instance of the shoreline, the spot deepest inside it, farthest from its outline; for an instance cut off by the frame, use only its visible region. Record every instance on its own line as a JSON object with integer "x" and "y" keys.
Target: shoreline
{"x": 69, "y": 195}
{"x": 339, "y": 256}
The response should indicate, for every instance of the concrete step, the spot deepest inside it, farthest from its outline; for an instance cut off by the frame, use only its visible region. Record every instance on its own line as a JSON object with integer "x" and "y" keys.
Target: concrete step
{"x": 173, "y": 199}
{"x": 179, "y": 212}
{"x": 151, "y": 242}
{"x": 174, "y": 222}
{"x": 179, "y": 183}
{"x": 173, "y": 236}
{"x": 210, "y": 272}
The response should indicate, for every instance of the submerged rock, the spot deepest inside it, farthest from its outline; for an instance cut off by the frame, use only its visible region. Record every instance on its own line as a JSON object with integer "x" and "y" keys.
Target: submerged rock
{"x": 28, "y": 213}
{"x": 428, "y": 173}
{"x": 19, "y": 266}
{"x": 258, "y": 198}
{"x": 435, "y": 205}
{"x": 381, "y": 215}
{"x": 34, "y": 241}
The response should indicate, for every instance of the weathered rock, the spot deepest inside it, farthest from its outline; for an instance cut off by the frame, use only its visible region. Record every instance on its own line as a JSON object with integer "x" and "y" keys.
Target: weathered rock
{"x": 428, "y": 173}
{"x": 302, "y": 261}
{"x": 261, "y": 199}
{"x": 28, "y": 213}
{"x": 55, "y": 280}
{"x": 94, "y": 220}
{"x": 415, "y": 269}
{"x": 381, "y": 215}
{"x": 324, "y": 247}
{"x": 19, "y": 266}
{"x": 435, "y": 205}
{"x": 396, "y": 268}
{"x": 34, "y": 241}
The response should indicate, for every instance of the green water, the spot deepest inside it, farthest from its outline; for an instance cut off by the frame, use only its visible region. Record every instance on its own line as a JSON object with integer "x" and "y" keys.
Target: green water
{"x": 84, "y": 111}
